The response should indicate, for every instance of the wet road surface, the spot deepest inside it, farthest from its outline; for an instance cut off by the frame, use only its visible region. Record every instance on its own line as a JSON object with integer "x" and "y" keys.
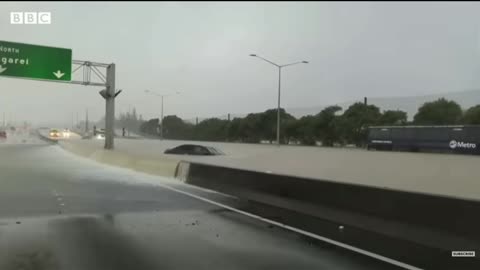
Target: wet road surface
{"x": 59, "y": 211}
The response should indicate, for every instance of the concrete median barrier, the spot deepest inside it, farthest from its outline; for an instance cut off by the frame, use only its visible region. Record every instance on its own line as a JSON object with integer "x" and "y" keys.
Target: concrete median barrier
{"x": 425, "y": 209}
{"x": 152, "y": 165}
{"x": 434, "y": 224}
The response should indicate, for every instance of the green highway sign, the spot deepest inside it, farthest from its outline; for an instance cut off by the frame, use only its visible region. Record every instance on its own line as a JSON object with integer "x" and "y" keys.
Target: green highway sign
{"x": 35, "y": 62}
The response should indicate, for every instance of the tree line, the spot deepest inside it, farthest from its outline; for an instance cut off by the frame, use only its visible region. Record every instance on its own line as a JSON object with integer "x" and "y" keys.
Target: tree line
{"x": 329, "y": 126}
{"x": 129, "y": 120}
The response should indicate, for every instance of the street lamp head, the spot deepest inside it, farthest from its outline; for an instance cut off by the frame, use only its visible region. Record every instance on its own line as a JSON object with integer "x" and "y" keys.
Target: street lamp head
{"x": 254, "y": 55}
{"x": 305, "y": 62}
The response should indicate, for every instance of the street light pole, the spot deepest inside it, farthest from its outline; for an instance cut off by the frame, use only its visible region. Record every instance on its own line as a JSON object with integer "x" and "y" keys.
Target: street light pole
{"x": 279, "y": 87}
{"x": 161, "y": 110}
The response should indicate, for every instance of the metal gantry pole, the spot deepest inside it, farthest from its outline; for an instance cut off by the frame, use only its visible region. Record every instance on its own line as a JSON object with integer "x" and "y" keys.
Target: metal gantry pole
{"x": 110, "y": 107}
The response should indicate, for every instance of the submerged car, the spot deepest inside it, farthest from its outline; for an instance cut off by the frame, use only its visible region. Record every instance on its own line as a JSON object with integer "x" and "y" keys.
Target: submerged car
{"x": 194, "y": 149}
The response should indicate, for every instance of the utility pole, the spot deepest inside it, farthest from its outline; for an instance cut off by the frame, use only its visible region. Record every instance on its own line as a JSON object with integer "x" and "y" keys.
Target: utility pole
{"x": 86, "y": 121}
{"x": 161, "y": 122}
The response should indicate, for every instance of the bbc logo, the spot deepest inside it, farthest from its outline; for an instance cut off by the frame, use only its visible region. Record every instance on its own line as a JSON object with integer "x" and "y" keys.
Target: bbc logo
{"x": 30, "y": 18}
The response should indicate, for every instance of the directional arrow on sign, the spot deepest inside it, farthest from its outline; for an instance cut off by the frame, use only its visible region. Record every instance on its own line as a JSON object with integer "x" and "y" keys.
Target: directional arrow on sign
{"x": 58, "y": 74}
{"x": 2, "y": 69}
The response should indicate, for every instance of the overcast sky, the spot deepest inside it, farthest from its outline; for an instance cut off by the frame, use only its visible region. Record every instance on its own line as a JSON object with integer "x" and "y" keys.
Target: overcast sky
{"x": 202, "y": 50}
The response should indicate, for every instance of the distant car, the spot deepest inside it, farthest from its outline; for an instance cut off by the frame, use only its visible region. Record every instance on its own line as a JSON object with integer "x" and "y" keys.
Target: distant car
{"x": 3, "y": 134}
{"x": 54, "y": 133}
{"x": 193, "y": 149}
{"x": 66, "y": 133}
{"x": 100, "y": 134}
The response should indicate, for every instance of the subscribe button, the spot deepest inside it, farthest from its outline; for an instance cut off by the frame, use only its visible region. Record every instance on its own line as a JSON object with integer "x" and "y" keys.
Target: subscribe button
{"x": 463, "y": 253}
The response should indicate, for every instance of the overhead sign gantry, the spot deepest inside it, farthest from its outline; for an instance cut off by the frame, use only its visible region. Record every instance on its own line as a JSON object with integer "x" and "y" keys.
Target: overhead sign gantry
{"x": 27, "y": 61}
